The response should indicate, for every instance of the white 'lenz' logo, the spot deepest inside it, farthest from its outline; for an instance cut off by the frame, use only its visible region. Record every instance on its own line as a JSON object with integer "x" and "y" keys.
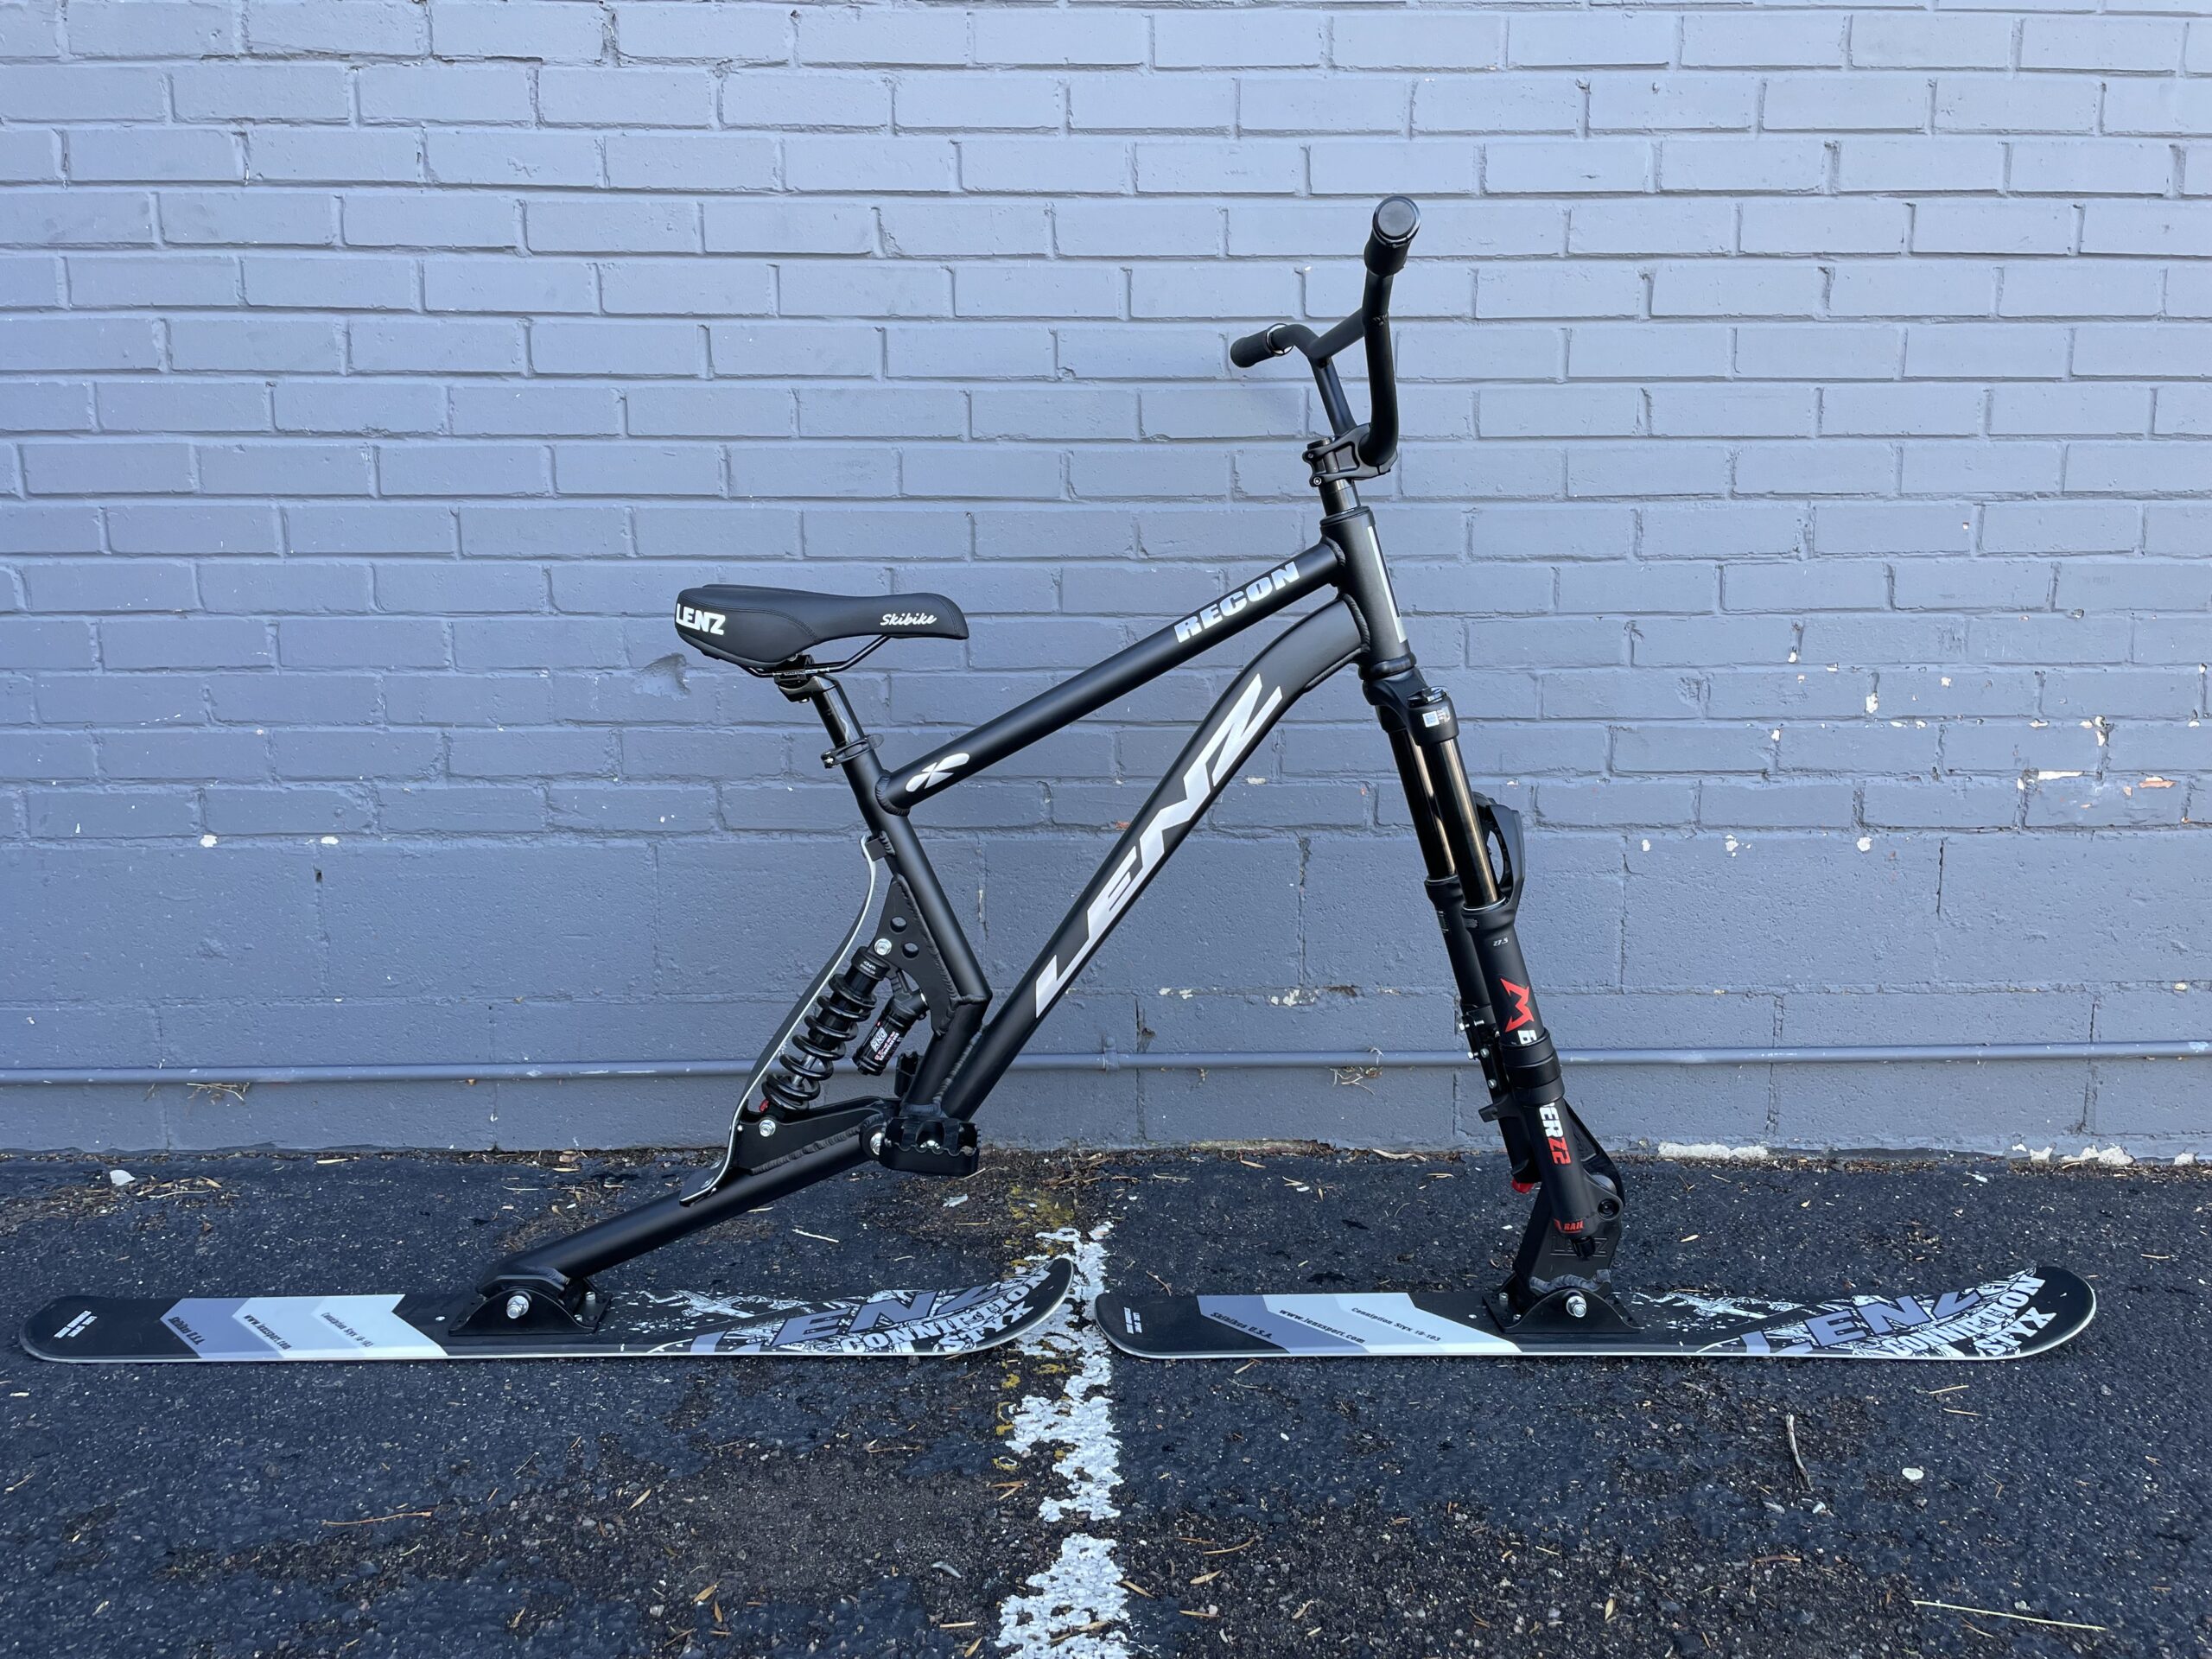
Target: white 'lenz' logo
{"x": 1247, "y": 719}
{"x": 699, "y": 621}
{"x": 906, "y": 619}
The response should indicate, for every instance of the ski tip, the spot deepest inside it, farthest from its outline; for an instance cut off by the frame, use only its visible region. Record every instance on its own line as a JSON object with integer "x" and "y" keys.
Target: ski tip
{"x": 39, "y": 1329}
{"x": 1175, "y": 1327}
{"x": 1109, "y": 1313}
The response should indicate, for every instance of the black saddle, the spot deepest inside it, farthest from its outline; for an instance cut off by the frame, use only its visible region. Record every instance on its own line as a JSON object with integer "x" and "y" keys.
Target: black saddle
{"x": 763, "y": 628}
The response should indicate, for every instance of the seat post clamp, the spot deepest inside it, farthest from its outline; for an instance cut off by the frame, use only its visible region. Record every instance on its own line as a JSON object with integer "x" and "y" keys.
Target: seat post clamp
{"x": 832, "y": 758}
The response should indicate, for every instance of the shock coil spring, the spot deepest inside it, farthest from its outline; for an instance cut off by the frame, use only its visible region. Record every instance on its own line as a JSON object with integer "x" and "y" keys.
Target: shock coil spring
{"x": 832, "y": 1025}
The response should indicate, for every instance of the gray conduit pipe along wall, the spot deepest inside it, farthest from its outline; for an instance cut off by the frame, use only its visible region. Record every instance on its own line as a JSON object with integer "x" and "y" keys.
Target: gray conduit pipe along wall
{"x": 1111, "y": 1059}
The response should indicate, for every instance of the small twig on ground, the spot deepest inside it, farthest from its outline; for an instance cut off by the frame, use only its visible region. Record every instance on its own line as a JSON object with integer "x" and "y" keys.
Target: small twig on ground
{"x": 396, "y": 1515}
{"x": 1789, "y": 1424}
{"x": 2017, "y": 1618}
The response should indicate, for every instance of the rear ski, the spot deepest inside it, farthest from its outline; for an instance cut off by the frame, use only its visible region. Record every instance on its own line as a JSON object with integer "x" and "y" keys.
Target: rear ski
{"x": 2027, "y": 1311}
{"x": 658, "y": 1325}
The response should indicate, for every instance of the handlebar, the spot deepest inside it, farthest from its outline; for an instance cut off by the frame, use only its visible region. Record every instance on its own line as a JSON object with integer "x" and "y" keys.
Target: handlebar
{"x": 1396, "y": 222}
{"x": 1249, "y": 350}
{"x": 1389, "y": 240}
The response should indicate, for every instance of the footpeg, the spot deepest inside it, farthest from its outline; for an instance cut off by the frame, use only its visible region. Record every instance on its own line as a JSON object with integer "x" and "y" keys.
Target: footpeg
{"x": 924, "y": 1142}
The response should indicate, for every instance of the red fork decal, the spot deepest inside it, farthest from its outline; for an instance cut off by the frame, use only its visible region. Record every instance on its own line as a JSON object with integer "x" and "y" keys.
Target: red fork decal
{"x": 1522, "y": 1013}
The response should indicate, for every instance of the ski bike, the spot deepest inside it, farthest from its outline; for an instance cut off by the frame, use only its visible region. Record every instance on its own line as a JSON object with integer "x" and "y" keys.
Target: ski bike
{"x": 902, "y": 994}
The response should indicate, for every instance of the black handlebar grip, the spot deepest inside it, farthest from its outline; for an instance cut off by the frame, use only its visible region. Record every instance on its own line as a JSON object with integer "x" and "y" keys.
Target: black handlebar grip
{"x": 1254, "y": 348}
{"x": 1397, "y": 221}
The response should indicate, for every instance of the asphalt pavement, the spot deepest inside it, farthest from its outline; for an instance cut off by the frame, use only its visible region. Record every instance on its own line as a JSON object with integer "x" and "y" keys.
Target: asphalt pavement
{"x": 1058, "y": 1501}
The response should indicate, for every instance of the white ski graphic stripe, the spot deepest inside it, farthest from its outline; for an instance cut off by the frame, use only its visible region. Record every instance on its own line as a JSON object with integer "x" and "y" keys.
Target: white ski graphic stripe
{"x": 298, "y": 1328}
{"x": 1391, "y": 1324}
{"x": 339, "y": 1327}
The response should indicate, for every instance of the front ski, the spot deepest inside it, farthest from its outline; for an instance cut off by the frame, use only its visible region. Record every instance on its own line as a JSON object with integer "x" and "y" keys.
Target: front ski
{"x": 662, "y": 1324}
{"x": 2024, "y": 1312}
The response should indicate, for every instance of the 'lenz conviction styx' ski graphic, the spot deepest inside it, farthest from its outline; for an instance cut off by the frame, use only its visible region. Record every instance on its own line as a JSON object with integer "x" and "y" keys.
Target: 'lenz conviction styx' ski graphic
{"x": 662, "y": 1324}
{"x": 2025, "y": 1312}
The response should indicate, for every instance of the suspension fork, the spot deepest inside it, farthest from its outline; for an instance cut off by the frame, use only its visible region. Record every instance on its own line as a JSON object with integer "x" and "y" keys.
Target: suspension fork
{"x": 1471, "y": 848}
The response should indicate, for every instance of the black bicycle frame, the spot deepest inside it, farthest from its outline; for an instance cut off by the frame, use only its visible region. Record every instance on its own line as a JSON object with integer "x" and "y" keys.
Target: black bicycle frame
{"x": 950, "y": 1080}
{"x": 782, "y": 1139}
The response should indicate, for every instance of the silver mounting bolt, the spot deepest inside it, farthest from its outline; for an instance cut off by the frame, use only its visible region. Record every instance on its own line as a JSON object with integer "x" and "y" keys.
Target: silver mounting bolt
{"x": 1578, "y": 1304}
{"x": 875, "y": 1144}
{"x": 768, "y": 1127}
{"x": 518, "y": 1305}
{"x": 883, "y": 947}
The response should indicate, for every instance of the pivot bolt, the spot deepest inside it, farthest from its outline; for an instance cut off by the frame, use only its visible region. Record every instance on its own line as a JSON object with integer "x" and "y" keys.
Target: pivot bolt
{"x": 883, "y": 947}
{"x": 518, "y": 1305}
{"x": 767, "y": 1127}
{"x": 1578, "y": 1304}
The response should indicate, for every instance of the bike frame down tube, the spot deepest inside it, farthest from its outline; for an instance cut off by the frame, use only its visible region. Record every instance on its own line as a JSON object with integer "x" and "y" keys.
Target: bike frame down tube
{"x": 1259, "y": 695}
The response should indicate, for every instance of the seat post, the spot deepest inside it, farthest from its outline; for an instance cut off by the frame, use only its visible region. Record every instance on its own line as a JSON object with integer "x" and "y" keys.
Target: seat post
{"x": 851, "y": 749}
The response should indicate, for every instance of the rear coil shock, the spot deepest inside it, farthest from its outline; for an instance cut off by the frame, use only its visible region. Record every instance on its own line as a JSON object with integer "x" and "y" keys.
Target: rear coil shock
{"x": 831, "y": 1024}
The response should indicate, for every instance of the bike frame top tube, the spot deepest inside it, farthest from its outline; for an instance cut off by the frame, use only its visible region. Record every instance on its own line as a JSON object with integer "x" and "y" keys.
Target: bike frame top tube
{"x": 901, "y": 787}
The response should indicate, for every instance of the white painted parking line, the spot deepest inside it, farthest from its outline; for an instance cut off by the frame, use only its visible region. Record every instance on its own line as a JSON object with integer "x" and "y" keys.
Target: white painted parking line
{"x": 1076, "y": 1607}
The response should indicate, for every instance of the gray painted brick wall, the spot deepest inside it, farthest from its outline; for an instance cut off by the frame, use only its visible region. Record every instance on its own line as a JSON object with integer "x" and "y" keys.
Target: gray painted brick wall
{"x": 1806, "y": 497}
